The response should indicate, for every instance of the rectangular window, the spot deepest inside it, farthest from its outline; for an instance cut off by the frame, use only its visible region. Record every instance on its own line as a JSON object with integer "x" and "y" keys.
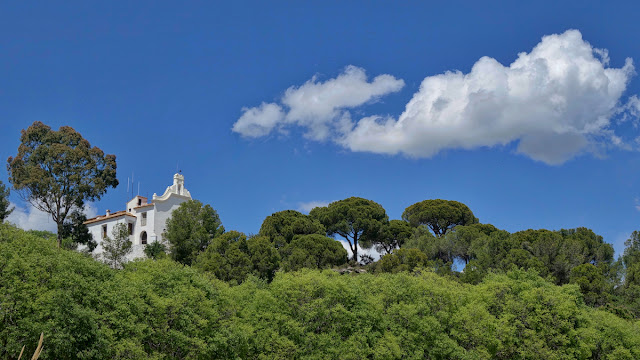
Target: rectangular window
{"x": 143, "y": 222}
{"x": 139, "y": 202}
{"x": 130, "y": 229}
{"x": 104, "y": 231}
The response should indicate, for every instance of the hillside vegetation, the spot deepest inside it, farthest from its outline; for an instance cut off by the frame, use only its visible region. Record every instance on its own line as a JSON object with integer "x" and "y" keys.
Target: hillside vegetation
{"x": 161, "y": 309}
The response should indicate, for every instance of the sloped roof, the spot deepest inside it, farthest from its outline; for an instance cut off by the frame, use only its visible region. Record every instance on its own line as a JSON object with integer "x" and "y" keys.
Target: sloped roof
{"x": 110, "y": 216}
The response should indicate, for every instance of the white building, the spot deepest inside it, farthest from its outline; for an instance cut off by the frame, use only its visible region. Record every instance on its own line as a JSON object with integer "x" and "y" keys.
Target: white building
{"x": 145, "y": 220}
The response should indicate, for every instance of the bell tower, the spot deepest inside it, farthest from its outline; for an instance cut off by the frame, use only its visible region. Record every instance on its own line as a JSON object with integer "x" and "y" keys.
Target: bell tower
{"x": 178, "y": 183}
{"x": 176, "y": 188}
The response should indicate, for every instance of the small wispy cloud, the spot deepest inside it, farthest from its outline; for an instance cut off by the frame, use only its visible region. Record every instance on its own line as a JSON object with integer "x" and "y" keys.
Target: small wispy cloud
{"x": 320, "y": 107}
{"x": 306, "y": 207}
{"x": 631, "y": 111}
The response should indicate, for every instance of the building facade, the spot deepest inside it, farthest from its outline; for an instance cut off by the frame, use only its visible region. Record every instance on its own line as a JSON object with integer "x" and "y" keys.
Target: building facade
{"x": 146, "y": 221}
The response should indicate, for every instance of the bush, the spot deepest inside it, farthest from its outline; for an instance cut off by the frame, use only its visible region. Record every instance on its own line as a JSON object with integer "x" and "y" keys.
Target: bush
{"x": 162, "y": 309}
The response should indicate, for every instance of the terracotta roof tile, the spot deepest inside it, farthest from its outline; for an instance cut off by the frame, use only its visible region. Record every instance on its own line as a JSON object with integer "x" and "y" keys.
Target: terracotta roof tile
{"x": 111, "y": 216}
{"x": 143, "y": 205}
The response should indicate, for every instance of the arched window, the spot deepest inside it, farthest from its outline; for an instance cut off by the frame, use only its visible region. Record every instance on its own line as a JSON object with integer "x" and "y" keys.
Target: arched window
{"x": 143, "y": 238}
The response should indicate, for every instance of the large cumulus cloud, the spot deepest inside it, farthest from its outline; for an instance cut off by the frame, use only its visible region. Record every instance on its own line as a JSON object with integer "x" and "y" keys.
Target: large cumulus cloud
{"x": 555, "y": 101}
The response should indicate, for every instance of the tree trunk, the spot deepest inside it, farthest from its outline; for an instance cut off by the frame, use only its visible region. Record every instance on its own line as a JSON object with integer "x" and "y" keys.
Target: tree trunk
{"x": 355, "y": 247}
{"x": 59, "y": 234}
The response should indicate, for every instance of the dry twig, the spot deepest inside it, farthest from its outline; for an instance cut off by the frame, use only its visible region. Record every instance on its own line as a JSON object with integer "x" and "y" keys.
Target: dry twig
{"x": 36, "y": 354}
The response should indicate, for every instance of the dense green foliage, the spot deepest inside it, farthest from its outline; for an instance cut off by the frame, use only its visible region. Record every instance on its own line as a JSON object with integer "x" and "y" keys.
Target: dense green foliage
{"x": 57, "y": 171}
{"x": 313, "y": 252}
{"x": 283, "y": 226}
{"x": 117, "y": 246}
{"x": 155, "y": 250}
{"x": 439, "y": 215}
{"x": 5, "y": 208}
{"x": 76, "y": 232}
{"x": 593, "y": 284}
{"x": 391, "y": 236}
{"x": 227, "y": 257}
{"x": 232, "y": 257}
{"x": 552, "y": 253}
{"x": 486, "y": 249}
{"x": 354, "y": 219}
{"x": 439, "y": 249}
{"x": 191, "y": 229}
{"x": 164, "y": 310}
{"x": 300, "y": 242}
{"x": 631, "y": 254}
{"x": 403, "y": 260}
{"x": 264, "y": 257}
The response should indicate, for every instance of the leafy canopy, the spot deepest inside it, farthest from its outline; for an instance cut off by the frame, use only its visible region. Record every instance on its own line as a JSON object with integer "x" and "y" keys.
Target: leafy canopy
{"x": 5, "y": 210}
{"x": 117, "y": 246}
{"x": 439, "y": 215}
{"x": 232, "y": 257}
{"x": 156, "y": 250}
{"x": 438, "y": 249}
{"x": 190, "y": 230}
{"x": 592, "y": 282}
{"x": 403, "y": 260}
{"x": 631, "y": 254}
{"x": 76, "y": 232}
{"x": 281, "y": 227}
{"x": 226, "y": 257}
{"x": 392, "y": 235}
{"x": 355, "y": 219}
{"x": 313, "y": 252}
{"x": 265, "y": 258}
{"x": 462, "y": 238}
{"x": 57, "y": 171}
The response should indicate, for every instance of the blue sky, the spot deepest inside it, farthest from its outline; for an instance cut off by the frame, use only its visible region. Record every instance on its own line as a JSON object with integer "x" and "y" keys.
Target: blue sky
{"x": 545, "y": 139}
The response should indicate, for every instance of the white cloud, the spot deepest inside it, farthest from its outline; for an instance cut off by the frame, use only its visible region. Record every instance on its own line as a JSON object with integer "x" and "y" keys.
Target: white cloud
{"x": 306, "y": 207}
{"x": 259, "y": 121}
{"x": 29, "y": 218}
{"x": 631, "y": 110}
{"x": 555, "y": 101}
{"x": 320, "y": 107}
{"x": 371, "y": 252}
{"x": 90, "y": 210}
